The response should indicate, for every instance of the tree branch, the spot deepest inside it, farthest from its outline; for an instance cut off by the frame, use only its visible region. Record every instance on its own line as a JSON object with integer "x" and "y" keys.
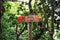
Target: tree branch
{"x": 51, "y": 29}
{"x": 21, "y": 31}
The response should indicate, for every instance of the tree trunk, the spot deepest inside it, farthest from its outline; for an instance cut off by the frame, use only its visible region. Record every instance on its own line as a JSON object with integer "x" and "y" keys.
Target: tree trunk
{"x": 0, "y": 29}
{"x": 51, "y": 30}
{"x": 1, "y": 14}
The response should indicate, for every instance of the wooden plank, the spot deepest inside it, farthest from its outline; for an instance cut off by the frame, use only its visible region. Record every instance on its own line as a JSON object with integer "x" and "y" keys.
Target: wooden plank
{"x": 33, "y": 18}
{"x": 30, "y": 18}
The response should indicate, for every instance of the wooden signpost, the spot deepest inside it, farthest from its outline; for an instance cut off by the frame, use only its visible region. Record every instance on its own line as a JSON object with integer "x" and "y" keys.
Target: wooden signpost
{"x": 30, "y": 18}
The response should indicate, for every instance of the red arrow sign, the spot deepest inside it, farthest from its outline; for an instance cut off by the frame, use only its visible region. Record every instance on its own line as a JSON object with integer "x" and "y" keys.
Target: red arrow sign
{"x": 20, "y": 19}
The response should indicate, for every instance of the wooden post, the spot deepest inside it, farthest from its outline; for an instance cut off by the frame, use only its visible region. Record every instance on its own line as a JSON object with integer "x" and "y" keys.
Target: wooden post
{"x": 30, "y": 23}
{"x": 30, "y": 31}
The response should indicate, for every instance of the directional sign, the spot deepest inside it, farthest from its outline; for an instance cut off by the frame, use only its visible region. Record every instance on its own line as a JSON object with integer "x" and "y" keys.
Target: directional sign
{"x": 30, "y": 18}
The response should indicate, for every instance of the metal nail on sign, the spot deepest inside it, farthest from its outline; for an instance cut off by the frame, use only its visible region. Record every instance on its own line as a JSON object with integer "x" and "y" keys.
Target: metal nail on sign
{"x": 30, "y": 18}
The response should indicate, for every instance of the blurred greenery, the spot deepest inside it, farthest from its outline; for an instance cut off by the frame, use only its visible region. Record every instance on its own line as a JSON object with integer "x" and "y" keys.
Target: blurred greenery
{"x": 15, "y": 9}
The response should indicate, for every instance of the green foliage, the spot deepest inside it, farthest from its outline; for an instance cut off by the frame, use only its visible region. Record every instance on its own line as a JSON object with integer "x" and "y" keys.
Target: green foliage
{"x": 15, "y": 9}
